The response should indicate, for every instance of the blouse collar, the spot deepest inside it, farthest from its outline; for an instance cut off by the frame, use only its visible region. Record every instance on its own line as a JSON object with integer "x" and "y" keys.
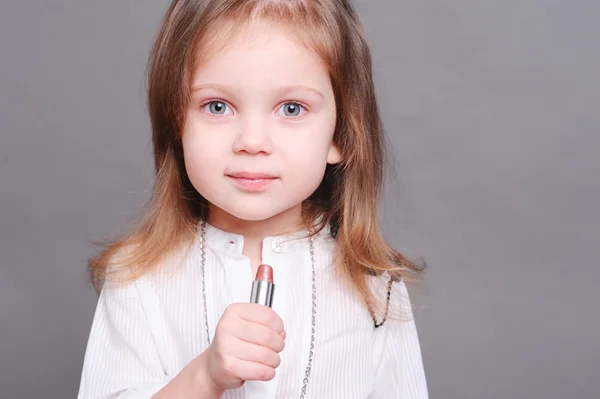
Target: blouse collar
{"x": 221, "y": 240}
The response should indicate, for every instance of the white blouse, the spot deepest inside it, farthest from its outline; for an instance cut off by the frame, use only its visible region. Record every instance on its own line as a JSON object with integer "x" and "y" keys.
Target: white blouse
{"x": 144, "y": 333}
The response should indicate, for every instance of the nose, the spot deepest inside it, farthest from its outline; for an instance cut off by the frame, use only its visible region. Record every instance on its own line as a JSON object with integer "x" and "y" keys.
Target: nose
{"x": 253, "y": 137}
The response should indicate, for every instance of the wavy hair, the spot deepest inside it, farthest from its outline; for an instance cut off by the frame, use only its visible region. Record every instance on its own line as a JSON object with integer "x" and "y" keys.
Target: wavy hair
{"x": 348, "y": 197}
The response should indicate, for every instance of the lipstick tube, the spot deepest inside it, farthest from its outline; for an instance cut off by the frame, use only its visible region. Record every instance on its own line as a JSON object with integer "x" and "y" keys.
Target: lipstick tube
{"x": 263, "y": 287}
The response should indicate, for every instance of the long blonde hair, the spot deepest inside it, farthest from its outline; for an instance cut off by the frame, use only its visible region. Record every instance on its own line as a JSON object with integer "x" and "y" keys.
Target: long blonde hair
{"x": 347, "y": 199}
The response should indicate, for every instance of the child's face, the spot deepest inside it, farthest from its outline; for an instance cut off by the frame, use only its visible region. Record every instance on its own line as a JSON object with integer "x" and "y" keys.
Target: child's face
{"x": 242, "y": 119}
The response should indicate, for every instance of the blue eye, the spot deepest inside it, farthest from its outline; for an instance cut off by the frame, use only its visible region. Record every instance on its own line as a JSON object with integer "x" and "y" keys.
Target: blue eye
{"x": 292, "y": 109}
{"x": 216, "y": 107}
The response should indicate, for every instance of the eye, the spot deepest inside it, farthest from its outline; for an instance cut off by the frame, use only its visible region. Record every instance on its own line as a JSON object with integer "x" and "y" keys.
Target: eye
{"x": 216, "y": 107}
{"x": 292, "y": 109}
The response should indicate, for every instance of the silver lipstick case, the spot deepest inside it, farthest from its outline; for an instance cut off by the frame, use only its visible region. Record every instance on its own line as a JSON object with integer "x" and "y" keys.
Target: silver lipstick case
{"x": 262, "y": 292}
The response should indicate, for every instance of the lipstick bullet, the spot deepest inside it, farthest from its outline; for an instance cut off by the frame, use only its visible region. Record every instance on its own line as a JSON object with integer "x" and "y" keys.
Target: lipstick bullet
{"x": 263, "y": 287}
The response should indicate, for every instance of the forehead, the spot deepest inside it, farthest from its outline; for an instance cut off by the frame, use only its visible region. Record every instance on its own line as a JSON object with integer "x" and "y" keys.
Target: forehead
{"x": 256, "y": 48}
{"x": 226, "y": 34}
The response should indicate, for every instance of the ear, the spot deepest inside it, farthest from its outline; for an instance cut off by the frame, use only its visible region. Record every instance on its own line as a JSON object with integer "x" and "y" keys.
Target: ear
{"x": 334, "y": 155}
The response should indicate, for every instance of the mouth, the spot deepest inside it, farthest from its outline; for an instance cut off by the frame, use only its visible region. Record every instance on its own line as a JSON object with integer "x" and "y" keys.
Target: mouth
{"x": 252, "y": 181}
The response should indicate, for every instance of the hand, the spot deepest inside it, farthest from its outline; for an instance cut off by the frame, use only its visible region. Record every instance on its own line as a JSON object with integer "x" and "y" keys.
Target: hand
{"x": 246, "y": 346}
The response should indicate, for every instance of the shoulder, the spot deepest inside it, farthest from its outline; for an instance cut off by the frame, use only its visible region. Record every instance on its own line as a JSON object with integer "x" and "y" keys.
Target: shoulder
{"x": 125, "y": 279}
{"x": 387, "y": 289}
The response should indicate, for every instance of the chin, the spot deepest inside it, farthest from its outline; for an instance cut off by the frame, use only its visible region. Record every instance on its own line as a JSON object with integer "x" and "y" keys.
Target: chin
{"x": 254, "y": 213}
{"x": 251, "y": 216}
{"x": 256, "y": 208}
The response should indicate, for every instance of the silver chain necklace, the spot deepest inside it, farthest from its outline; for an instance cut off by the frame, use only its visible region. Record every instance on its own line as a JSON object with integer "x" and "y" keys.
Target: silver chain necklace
{"x": 314, "y": 302}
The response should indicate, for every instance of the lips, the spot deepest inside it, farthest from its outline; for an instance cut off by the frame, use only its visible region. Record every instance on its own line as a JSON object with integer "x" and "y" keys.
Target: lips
{"x": 252, "y": 181}
{"x": 251, "y": 176}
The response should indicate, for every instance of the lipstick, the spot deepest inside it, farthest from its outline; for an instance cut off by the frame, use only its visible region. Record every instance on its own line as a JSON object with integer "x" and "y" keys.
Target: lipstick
{"x": 262, "y": 286}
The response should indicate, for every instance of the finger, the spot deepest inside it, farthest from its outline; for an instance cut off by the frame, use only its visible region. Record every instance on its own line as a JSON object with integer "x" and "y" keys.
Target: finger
{"x": 256, "y": 313}
{"x": 249, "y": 371}
{"x": 260, "y": 335}
{"x": 255, "y": 353}
{"x": 283, "y": 334}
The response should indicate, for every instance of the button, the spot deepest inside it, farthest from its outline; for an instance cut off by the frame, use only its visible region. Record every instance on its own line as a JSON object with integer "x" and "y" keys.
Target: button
{"x": 278, "y": 245}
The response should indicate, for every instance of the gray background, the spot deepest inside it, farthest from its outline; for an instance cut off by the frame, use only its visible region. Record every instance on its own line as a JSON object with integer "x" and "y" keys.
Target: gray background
{"x": 492, "y": 109}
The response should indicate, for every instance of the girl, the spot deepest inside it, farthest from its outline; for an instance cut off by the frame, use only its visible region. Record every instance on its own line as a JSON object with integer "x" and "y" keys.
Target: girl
{"x": 268, "y": 149}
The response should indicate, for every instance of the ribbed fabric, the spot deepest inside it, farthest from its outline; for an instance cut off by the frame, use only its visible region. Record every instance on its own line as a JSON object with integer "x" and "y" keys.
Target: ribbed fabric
{"x": 144, "y": 333}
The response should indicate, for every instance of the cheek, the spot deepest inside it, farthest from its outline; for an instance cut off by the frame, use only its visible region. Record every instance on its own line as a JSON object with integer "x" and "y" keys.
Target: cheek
{"x": 311, "y": 145}
{"x": 306, "y": 162}
{"x": 199, "y": 156}
{"x": 307, "y": 176}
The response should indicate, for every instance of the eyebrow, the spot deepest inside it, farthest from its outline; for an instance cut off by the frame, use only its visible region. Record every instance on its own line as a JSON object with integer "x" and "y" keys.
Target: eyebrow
{"x": 281, "y": 91}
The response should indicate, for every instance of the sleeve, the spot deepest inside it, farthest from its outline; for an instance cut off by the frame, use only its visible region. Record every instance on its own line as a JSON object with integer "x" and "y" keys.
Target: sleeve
{"x": 399, "y": 367}
{"x": 121, "y": 360}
